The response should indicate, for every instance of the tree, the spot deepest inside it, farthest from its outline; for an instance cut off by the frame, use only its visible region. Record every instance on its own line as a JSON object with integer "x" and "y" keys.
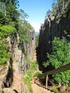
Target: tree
{"x": 12, "y": 13}
{"x": 6, "y": 27}
{"x": 13, "y": 21}
{"x": 61, "y": 7}
{"x": 24, "y": 31}
{"x": 60, "y": 56}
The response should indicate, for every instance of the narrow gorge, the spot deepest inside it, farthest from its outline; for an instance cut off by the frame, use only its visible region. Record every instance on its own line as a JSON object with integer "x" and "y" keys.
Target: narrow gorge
{"x": 32, "y": 61}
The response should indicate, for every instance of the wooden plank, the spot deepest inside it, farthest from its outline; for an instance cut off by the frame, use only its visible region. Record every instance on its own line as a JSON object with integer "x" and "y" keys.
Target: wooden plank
{"x": 46, "y": 81}
{"x": 58, "y": 70}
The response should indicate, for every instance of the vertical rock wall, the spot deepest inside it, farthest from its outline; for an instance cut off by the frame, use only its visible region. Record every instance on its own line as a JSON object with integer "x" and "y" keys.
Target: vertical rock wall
{"x": 17, "y": 64}
{"x": 51, "y": 28}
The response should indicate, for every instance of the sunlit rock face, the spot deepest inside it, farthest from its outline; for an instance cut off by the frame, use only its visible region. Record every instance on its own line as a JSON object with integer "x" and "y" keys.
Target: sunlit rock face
{"x": 10, "y": 75}
{"x": 51, "y": 28}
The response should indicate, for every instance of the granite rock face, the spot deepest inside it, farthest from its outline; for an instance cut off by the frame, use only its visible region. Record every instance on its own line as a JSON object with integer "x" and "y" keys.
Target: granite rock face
{"x": 51, "y": 28}
{"x": 11, "y": 74}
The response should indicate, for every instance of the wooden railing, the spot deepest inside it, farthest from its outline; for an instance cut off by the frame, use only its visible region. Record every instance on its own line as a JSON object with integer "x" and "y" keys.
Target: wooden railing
{"x": 55, "y": 71}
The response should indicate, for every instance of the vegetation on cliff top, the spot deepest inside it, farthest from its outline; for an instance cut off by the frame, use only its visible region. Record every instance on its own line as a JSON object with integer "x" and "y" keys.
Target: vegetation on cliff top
{"x": 11, "y": 22}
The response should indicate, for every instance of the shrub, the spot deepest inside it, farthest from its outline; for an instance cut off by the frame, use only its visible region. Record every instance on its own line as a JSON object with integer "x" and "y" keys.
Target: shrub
{"x": 60, "y": 56}
{"x": 30, "y": 74}
{"x": 4, "y": 54}
{"x": 6, "y": 30}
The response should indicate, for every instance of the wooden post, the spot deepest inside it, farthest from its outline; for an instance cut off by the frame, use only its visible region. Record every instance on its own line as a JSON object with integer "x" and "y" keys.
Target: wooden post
{"x": 46, "y": 81}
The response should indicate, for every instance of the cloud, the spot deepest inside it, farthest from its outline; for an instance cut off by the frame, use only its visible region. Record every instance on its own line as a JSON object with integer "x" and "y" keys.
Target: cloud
{"x": 36, "y": 24}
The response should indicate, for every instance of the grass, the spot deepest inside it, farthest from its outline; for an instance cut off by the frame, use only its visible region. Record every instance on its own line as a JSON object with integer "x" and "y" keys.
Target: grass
{"x": 30, "y": 74}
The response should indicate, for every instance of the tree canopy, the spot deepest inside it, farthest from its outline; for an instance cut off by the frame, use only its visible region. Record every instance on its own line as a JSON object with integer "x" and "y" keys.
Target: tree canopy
{"x": 12, "y": 20}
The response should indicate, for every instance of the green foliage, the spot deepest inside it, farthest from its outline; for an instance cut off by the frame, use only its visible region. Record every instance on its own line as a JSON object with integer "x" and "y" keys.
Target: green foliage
{"x": 1, "y": 15}
{"x": 59, "y": 57}
{"x": 2, "y": 18}
{"x": 37, "y": 39}
{"x": 23, "y": 14}
{"x": 10, "y": 22}
{"x": 12, "y": 13}
{"x": 61, "y": 53}
{"x": 63, "y": 78}
{"x": 60, "y": 8}
{"x": 4, "y": 54}
{"x": 30, "y": 74}
{"x": 54, "y": 89}
{"x": 24, "y": 31}
{"x": 6, "y": 30}
{"x": 8, "y": 15}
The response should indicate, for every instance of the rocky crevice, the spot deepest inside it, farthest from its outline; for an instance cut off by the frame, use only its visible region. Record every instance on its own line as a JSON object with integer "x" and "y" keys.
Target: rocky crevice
{"x": 12, "y": 80}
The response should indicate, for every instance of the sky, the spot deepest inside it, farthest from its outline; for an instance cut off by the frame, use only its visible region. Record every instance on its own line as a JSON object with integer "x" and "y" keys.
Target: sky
{"x": 36, "y": 10}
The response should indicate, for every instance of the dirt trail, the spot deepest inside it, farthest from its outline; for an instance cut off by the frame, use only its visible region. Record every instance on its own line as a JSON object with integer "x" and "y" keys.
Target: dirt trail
{"x": 38, "y": 89}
